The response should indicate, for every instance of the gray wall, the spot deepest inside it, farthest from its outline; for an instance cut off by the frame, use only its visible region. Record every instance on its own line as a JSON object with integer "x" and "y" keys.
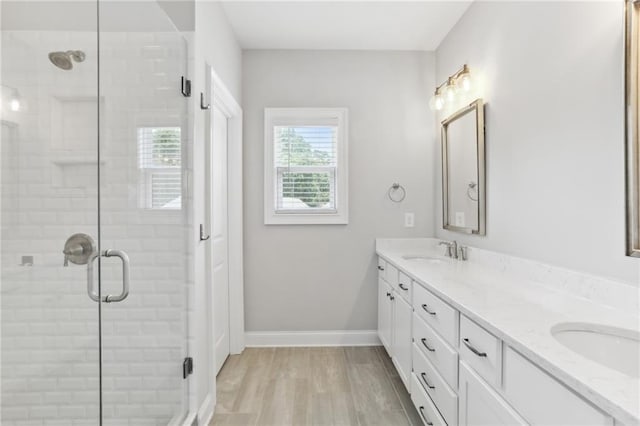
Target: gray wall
{"x": 323, "y": 277}
{"x": 553, "y": 77}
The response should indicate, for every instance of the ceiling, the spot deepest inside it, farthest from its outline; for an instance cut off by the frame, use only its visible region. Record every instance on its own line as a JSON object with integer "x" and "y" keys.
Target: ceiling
{"x": 348, "y": 25}
{"x": 82, "y": 15}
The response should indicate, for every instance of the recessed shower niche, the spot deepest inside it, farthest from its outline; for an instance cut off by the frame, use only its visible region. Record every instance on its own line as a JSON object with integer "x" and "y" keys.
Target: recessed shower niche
{"x": 73, "y": 140}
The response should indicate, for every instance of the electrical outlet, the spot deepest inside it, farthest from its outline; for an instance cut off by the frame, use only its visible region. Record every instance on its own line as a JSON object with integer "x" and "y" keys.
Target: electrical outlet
{"x": 460, "y": 219}
{"x": 409, "y": 219}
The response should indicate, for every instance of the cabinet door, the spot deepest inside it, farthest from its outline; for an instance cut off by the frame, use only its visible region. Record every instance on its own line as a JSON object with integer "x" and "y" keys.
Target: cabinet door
{"x": 384, "y": 314}
{"x": 382, "y": 268}
{"x": 402, "y": 313}
{"x": 542, "y": 400}
{"x": 480, "y": 404}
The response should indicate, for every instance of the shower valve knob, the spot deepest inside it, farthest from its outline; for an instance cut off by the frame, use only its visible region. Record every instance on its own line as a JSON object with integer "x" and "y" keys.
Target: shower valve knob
{"x": 78, "y": 249}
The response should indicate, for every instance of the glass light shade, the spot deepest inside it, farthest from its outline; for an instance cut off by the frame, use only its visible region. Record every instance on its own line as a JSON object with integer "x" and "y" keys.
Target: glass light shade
{"x": 449, "y": 92}
{"x": 464, "y": 81}
{"x": 437, "y": 102}
{"x": 14, "y": 105}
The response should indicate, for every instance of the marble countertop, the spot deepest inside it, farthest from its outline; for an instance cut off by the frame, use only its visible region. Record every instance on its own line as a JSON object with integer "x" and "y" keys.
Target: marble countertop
{"x": 522, "y": 312}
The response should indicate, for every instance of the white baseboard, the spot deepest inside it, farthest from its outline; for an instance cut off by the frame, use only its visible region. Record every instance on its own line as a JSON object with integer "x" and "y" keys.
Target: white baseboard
{"x": 312, "y": 338}
{"x": 205, "y": 413}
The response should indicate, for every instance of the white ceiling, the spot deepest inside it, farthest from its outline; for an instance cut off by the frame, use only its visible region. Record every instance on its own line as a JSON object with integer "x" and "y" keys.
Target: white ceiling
{"x": 353, "y": 25}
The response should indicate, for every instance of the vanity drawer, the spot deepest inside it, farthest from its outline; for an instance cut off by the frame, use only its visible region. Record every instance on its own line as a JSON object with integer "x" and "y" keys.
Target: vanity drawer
{"x": 404, "y": 287}
{"x": 391, "y": 275}
{"x": 481, "y": 349}
{"x": 543, "y": 400}
{"x": 382, "y": 268}
{"x": 443, "y": 357}
{"x": 428, "y": 412}
{"x": 438, "y": 314}
{"x": 445, "y": 399}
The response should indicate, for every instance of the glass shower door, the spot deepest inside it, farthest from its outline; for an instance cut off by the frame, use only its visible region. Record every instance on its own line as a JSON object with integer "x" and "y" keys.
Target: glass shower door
{"x": 94, "y": 216}
{"x": 143, "y": 214}
{"x": 50, "y": 345}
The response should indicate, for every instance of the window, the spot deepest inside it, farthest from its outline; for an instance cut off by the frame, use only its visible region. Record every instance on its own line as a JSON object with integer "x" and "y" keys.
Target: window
{"x": 305, "y": 166}
{"x": 160, "y": 164}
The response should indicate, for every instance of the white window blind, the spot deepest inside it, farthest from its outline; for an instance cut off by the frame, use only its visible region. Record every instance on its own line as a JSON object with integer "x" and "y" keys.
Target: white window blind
{"x": 305, "y": 166}
{"x": 160, "y": 163}
{"x": 306, "y": 161}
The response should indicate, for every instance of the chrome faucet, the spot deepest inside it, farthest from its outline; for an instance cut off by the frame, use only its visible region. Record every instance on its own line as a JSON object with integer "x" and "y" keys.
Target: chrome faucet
{"x": 462, "y": 252}
{"x": 452, "y": 248}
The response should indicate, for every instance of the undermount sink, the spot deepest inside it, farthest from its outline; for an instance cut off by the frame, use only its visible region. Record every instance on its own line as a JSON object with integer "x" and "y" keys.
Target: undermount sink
{"x": 613, "y": 347}
{"x": 424, "y": 259}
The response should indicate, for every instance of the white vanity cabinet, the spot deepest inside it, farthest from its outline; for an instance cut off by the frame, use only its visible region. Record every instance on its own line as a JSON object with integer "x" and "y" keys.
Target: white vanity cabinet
{"x": 553, "y": 402}
{"x": 385, "y": 314}
{"x": 480, "y": 404}
{"x": 482, "y": 351}
{"x": 382, "y": 268}
{"x": 394, "y": 318}
{"x": 458, "y": 372}
{"x": 435, "y": 356}
{"x": 436, "y": 313}
{"x": 401, "y": 352}
{"x": 404, "y": 286}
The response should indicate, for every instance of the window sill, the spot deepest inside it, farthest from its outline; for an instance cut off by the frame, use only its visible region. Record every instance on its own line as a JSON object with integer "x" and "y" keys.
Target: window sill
{"x": 306, "y": 219}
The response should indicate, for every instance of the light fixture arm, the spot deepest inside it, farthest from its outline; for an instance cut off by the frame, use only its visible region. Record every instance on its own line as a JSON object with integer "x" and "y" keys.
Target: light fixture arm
{"x": 463, "y": 69}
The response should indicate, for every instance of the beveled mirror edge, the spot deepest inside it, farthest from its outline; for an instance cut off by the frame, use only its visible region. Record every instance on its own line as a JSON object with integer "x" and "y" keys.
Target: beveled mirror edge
{"x": 478, "y": 106}
{"x": 632, "y": 142}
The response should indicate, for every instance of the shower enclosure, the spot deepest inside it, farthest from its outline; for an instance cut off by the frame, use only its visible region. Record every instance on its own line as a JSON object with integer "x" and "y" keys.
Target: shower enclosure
{"x": 95, "y": 208}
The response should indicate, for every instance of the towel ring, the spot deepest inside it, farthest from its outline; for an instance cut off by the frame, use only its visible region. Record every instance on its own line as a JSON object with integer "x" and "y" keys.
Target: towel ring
{"x": 472, "y": 187}
{"x": 396, "y": 193}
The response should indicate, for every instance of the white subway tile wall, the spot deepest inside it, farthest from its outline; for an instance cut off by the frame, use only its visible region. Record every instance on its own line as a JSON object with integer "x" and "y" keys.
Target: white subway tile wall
{"x": 50, "y": 345}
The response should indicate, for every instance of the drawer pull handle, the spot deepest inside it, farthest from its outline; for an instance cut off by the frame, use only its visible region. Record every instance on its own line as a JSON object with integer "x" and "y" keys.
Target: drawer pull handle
{"x": 424, "y": 379}
{"x": 425, "y": 417}
{"x": 388, "y": 294}
{"x": 392, "y": 298}
{"x": 403, "y": 287}
{"x": 424, "y": 342}
{"x": 472, "y": 349}
{"x": 426, "y": 308}
{"x": 380, "y": 268}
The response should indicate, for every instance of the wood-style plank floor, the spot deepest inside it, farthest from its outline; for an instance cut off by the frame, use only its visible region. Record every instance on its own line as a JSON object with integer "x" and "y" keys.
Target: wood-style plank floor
{"x": 312, "y": 386}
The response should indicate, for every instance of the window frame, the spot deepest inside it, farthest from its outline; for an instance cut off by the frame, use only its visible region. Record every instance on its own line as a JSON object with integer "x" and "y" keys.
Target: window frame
{"x": 306, "y": 117}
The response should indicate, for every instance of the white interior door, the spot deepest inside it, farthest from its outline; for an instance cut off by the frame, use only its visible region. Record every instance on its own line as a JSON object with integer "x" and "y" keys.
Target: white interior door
{"x": 219, "y": 236}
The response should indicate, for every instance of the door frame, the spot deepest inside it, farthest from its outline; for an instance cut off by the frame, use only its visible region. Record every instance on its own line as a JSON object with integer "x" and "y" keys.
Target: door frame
{"x": 222, "y": 99}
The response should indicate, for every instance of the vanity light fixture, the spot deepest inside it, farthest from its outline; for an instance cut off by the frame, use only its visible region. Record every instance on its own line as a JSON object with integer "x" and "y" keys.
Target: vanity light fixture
{"x": 446, "y": 92}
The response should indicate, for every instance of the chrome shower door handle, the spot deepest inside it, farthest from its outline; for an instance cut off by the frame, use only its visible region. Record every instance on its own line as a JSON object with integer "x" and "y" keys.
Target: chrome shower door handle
{"x": 125, "y": 275}
{"x": 92, "y": 294}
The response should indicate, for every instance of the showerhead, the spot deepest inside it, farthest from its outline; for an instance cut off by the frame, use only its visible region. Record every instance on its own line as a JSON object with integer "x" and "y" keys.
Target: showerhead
{"x": 64, "y": 60}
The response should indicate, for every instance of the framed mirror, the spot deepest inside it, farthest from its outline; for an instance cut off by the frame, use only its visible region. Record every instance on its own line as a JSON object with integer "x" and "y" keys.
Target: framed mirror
{"x": 463, "y": 170}
{"x": 632, "y": 118}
